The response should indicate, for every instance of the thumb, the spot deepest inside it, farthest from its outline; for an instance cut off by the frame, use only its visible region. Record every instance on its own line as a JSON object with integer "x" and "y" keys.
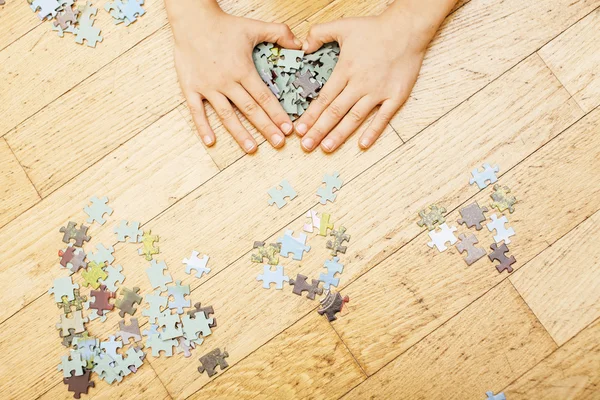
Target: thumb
{"x": 280, "y": 34}
{"x": 320, "y": 34}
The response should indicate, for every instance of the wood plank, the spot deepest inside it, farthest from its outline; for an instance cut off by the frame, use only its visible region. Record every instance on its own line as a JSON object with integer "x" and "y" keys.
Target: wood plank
{"x": 489, "y": 126}
{"x": 273, "y": 370}
{"x": 17, "y": 19}
{"x": 482, "y": 348}
{"x": 430, "y": 287}
{"x": 17, "y": 193}
{"x": 575, "y": 60}
{"x": 571, "y": 372}
{"x": 562, "y": 285}
{"x": 142, "y": 178}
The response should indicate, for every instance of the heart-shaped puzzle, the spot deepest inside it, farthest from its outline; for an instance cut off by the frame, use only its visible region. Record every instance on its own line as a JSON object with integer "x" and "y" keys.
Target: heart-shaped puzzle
{"x": 295, "y": 78}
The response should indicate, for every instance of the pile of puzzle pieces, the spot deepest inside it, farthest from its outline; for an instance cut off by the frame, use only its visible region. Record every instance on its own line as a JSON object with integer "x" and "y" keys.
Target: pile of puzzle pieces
{"x": 68, "y": 17}
{"x": 295, "y": 246}
{"x": 473, "y": 216}
{"x": 173, "y": 322}
{"x": 293, "y": 77}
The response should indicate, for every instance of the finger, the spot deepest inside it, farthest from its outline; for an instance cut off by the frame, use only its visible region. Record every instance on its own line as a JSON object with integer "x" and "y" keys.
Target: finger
{"x": 349, "y": 124}
{"x": 256, "y": 115}
{"x": 321, "y": 34}
{"x": 330, "y": 118}
{"x": 378, "y": 124}
{"x": 268, "y": 102}
{"x": 196, "y": 106}
{"x": 232, "y": 123}
{"x": 278, "y": 33}
{"x": 332, "y": 89}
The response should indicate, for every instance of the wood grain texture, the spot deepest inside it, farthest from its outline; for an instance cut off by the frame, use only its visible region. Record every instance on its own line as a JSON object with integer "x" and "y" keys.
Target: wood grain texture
{"x": 142, "y": 178}
{"x": 17, "y": 193}
{"x": 571, "y": 372}
{"x": 481, "y": 349}
{"x": 562, "y": 285}
{"x": 430, "y": 287}
{"x": 310, "y": 346}
{"x": 575, "y": 59}
{"x": 17, "y": 19}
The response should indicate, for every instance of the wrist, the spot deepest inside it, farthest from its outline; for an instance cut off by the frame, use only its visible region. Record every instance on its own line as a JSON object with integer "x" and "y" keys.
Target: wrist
{"x": 425, "y": 16}
{"x": 178, "y": 10}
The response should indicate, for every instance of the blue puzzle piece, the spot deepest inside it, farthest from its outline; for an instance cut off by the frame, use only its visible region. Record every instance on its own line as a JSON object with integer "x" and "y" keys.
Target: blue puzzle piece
{"x": 278, "y": 195}
{"x": 490, "y": 396}
{"x": 333, "y": 266}
{"x": 269, "y": 276}
{"x": 290, "y": 244}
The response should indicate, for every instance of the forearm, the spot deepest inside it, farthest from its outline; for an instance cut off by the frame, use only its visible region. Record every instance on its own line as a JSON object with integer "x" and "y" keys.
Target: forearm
{"x": 178, "y": 9}
{"x": 427, "y": 15}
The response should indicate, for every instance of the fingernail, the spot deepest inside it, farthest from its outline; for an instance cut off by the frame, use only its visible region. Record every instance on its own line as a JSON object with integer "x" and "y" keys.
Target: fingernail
{"x": 277, "y": 139}
{"x": 364, "y": 143}
{"x": 327, "y": 144}
{"x": 207, "y": 140}
{"x": 308, "y": 143}
{"x": 286, "y": 128}
{"x": 301, "y": 129}
{"x": 304, "y": 45}
{"x": 248, "y": 145}
{"x": 297, "y": 42}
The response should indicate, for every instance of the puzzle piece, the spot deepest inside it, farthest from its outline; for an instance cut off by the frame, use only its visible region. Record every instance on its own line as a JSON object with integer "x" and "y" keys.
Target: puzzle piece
{"x": 75, "y": 323}
{"x": 314, "y": 221}
{"x": 93, "y": 314}
{"x": 97, "y": 209}
{"x": 157, "y": 345}
{"x": 157, "y": 304}
{"x": 193, "y": 327}
{"x": 106, "y": 370}
{"x": 77, "y": 302}
{"x": 88, "y": 347}
{"x": 63, "y": 287}
{"x": 70, "y": 232}
{"x": 332, "y": 182}
{"x": 310, "y": 86}
{"x": 111, "y": 346}
{"x": 207, "y": 311}
{"x": 129, "y": 230}
{"x": 473, "y": 215}
{"x": 467, "y": 244}
{"x": 114, "y": 276}
{"x": 502, "y": 199}
{"x": 127, "y": 303}
{"x": 148, "y": 249}
{"x": 171, "y": 324}
{"x": 270, "y": 252}
{"x": 290, "y": 244}
{"x": 300, "y": 285}
{"x": 85, "y": 30}
{"x": 156, "y": 276}
{"x": 336, "y": 245}
{"x": 178, "y": 292}
{"x": 194, "y": 263}
{"x": 93, "y": 273}
{"x": 101, "y": 300}
{"x": 502, "y": 233}
{"x": 433, "y": 218}
{"x": 325, "y": 225}
{"x": 102, "y": 254}
{"x": 67, "y": 17}
{"x": 490, "y": 396}
{"x": 269, "y": 276}
{"x": 127, "y": 332}
{"x": 135, "y": 358}
{"x": 71, "y": 365}
{"x": 72, "y": 258}
{"x": 332, "y": 304}
{"x": 79, "y": 385}
{"x": 114, "y": 9}
{"x": 48, "y": 8}
{"x": 211, "y": 360}
{"x": 290, "y": 59}
{"x": 132, "y": 9}
{"x": 278, "y": 195}
{"x": 68, "y": 340}
{"x": 439, "y": 239}
{"x": 499, "y": 254}
{"x": 485, "y": 177}
{"x": 333, "y": 266}
{"x": 184, "y": 347}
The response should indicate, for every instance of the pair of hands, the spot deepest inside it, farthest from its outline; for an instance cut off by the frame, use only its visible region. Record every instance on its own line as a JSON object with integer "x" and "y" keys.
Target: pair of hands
{"x": 380, "y": 59}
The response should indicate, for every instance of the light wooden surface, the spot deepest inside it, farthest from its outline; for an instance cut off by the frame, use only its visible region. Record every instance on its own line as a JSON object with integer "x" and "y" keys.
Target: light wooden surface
{"x": 514, "y": 83}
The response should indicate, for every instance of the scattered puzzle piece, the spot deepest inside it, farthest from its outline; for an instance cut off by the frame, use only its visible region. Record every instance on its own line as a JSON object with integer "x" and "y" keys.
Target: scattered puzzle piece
{"x": 278, "y": 195}
{"x": 63, "y": 287}
{"x": 71, "y": 365}
{"x": 171, "y": 324}
{"x": 499, "y": 254}
{"x": 208, "y": 311}
{"x": 332, "y": 304}
{"x": 326, "y": 224}
{"x": 485, "y": 177}
{"x": 102, "y": 254}
{"x": 111, "y": 346}
{"x": 72, "y": 258}
{"x": 300, "y": 285}
{"x": 85, "y": 31}
{"x": 101, "y": 300}
{"x": 79, "y": 236}
{"x": 211, "y": 360}
{"x": 157, "y": 304}
{"x": 156, "y": 276}
{"x": 333, "y": 266}
{"x": 93, "y": 273}
{"x": 193, "y": 328}
{"x": 502, "y": 199}
{"x": 74, "y": 323}
{"x": 127, "y": 303}
{"x": 467, "y": 244}
{"x": 114, "y": 276}
{"x": 290, "y": 244}
{"x": 473, "y": 215}
{"x": 439, "y": 239}
{"x": 332, "y": 182}
{"x": 433, "y": 218}
{"x": 97, "y": 209}
{"x": 129, "y": 230}
{"x": 148, "y": 249}
{"x": 336, "y": 245}
{"x": 502, "y": 233}
{"x": 127, "y": 332}
{"x": 79, "y": 384}
{"x": 47, "y": 8}
{"x": 194, "y": 263}
{"x": 269, "y": 276}
{"x": 157, "y": 345}
{"x": 178, "y": 292}
{"x": 314, "y": 221}
{"x": 270, "y": 252}
{"x": 77, "y": 302}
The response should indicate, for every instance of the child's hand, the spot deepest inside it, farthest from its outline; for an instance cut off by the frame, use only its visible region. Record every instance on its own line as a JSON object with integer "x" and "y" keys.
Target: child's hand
{"x": 379, "y": 62}
{"x": 213, "y": 58}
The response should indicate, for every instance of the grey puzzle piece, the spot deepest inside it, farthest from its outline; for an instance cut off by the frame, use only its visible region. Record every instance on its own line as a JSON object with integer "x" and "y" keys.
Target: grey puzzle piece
{"x": 295, "y": 245}
{"x": 278, "y": 195}
{"x": 129, "y": 230}
{"x": 473, "y": 215}
{"x": 102, "y": 254}
{"x": 502, "y": 233}
{"x": 129, "y": 331}
{"x": 485, "y": 177}
{"x": 307, "y": 83}
{"x": 171, "y": 324}
{"x": 157, "y": 304}
{"x": 178, "y": 292}
{"x": 111, "y": 346}
{"x": 332, "y": 182}
{"x": 269, "y": 276}
{"x": 156, "y": 276}
{"x": 114, "y": 276}
{"x": 290, "y": 59}
{"x": 63, "y": 287}
{"x": 195, "y": 263}
{"x": 97, "y": 209}
{"x": 467, "y": 244}
{"x": 72, "y": 365}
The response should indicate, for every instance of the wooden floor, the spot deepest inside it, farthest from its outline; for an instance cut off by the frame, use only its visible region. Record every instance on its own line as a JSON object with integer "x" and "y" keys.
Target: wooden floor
{"x": 512, "y": 82}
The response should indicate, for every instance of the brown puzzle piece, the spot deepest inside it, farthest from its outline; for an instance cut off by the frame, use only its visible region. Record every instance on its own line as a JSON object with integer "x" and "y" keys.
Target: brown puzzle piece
{"x": 467, "y": 244}
{"x": 300, "y": 285}
{"x": 499, "y": 254}
{"x": 126, "y": 303}
{"x": 101, "y": 300}
{"x": 211, "y": 360}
